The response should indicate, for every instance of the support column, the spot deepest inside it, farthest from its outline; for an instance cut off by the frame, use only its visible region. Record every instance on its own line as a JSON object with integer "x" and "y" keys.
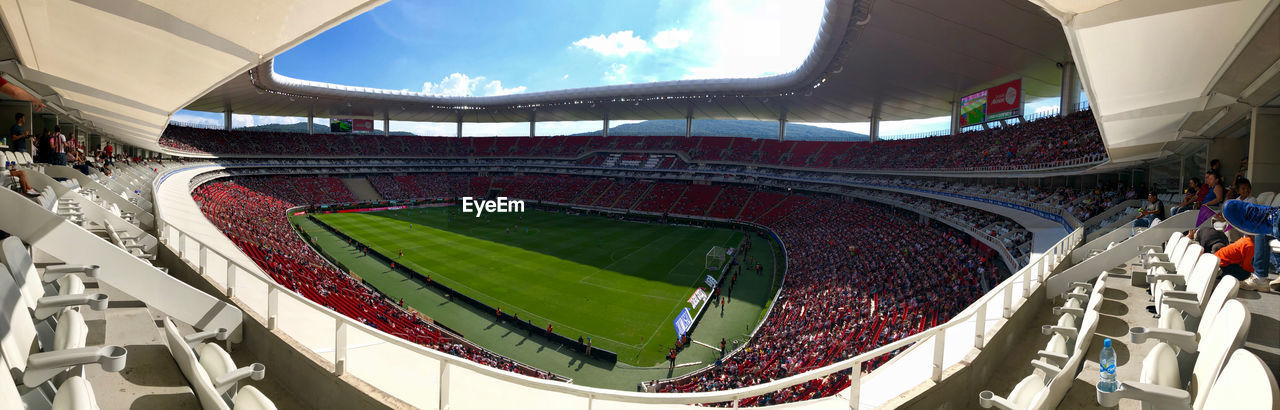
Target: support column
{"x": 1264, "y": 143}
{"x": 688, "y": 126}
{"x": 1069, "y": 99}
{"x": 226, "y": 119}
{"x": 875, "y": 129}
{"x": 955, "y": 116}
{"x": 459, "y": 125}
{"x": 604, "y": 131}
{"x": 311, "y": 120}
{"x": 533, "y": 121}
{"x": 386, "y": 124}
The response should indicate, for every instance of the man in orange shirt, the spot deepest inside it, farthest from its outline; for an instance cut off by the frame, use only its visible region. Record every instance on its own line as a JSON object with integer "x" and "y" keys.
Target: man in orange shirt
{"x": 1236, "y": 259}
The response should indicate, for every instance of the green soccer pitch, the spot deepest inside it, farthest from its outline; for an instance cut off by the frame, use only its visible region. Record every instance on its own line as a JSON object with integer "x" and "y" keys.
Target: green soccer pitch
{"x": 621, "y": 283}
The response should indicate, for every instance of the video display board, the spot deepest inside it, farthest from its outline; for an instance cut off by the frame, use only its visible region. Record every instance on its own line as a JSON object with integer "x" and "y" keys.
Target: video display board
{"x": 993, "y": 104}
{"x": 339, "y": 125}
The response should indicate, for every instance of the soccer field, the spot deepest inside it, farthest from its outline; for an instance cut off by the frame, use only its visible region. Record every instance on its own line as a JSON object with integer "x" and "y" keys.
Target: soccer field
{"x": 621, "y": 283}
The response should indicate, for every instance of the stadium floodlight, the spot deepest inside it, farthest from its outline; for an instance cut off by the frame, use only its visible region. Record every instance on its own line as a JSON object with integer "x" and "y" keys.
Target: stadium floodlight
{"x": 716, "y": 257}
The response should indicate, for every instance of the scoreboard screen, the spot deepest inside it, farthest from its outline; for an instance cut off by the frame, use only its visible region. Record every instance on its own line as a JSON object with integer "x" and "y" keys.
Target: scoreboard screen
{"x": 339, "y": 125}
{"x": 993, "y": 104}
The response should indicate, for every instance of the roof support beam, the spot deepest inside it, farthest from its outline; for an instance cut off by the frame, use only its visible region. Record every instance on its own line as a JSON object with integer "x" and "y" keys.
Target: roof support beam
{"x": 604, "y": 131}
{"x": 782, "y": 125}
{"x": 311, "y": 119}
{"x": 1069, "y": 99}
{"x": 386, "y": 124}
{"x": 459, "y": 125}
{"x": 533, "y": 122}
{"x": 226, "y": 118}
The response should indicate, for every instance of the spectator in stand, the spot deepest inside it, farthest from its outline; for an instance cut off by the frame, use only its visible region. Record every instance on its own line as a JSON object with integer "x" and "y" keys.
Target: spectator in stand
{"x": 1214, "y": 194}
{"x": 1236, "y": 259}
{"x": 22, "y": 179}
{"x": 18, "y": 136}
{"x": 59, "y": 144}
{"x": 1192, "y": 195}
{"x": 1152, "y": 210}
{"x": 1244, "y": 191}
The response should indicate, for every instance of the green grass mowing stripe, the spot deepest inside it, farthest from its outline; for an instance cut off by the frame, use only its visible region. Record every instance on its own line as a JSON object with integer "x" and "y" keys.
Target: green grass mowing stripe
{"x": 513, "y": 276}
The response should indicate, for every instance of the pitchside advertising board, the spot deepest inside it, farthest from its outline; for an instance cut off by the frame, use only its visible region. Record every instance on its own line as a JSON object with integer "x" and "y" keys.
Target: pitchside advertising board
{"x": 993, "y": 104}
{"x": 683, "y": 322}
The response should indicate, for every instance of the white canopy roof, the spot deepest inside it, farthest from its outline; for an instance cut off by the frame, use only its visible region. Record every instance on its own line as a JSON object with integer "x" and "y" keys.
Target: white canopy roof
{"x": 127, "y": 65}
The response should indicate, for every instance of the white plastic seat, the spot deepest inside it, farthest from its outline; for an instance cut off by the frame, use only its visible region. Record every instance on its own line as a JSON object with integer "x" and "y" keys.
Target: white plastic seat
{"x": 34, "y": 363}
{"x": 1164, "y": 276}
{"x": 65, "y": 277}
{"x": 211, "y": 372}
{"x": 1192, "y": 285}
{"x": 1177, "y": 311}
{"x": 73, "y": 394}
{"x": 1162, "y": 385}
{"x": 1169, "y": 251}
{"x": 1266, "y": 197}
{"x": 1246, "y": 383}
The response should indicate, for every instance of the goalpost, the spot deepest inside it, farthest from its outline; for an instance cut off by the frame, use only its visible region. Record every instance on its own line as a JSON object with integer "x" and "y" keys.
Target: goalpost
{"x": 716, "y": 257}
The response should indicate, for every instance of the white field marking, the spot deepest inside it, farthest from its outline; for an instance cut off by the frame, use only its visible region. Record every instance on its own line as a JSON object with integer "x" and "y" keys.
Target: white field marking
{"x": 606, "y": 267}
{"x": 707, "y": 345}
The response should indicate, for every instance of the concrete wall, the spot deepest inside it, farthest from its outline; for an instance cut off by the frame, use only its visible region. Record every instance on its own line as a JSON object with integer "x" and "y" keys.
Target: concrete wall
{"x": 1264, "y": 150}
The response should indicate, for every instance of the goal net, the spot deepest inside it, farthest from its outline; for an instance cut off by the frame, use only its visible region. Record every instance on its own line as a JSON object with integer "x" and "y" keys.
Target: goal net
{"x": 716, "y": 257}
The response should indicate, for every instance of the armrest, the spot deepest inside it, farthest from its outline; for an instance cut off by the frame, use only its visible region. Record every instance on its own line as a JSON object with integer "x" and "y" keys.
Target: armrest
{"x": 201, "y": 337}
{"x": 1088, "y": 287}
{"x": 1059, "y": 310}
{"x": 48, "y": 305}
{"x": 1083, "y": 298}
{"x": 988, "y": 399}
{"x": 1050, "y": 371}
{"x": 1169, "y": 266}
{"x": 44, "y": 365}
{"x": 55, "y": 272}
{"x": 1152, "y": 249}
{"x": 1183, "y": 340}
{"x": 254, "y": 371}
{"x": 1173, "y": 278}
{"x": 1058, "y": 359}
{"x": 1160, "y": 397}
{"x": 1188, "y": 306}
{"x": 1062, "y": 330}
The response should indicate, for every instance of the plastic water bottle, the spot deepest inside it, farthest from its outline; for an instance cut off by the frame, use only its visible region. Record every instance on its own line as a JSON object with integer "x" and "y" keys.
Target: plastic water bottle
{"x": 1107, "y": 363}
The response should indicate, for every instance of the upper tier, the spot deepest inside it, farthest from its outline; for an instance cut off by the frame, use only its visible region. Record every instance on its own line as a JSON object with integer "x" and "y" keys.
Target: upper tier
{"x": 1049, "y": 142}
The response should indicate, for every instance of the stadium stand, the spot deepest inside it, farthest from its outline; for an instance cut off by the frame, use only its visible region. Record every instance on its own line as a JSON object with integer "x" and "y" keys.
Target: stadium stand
{"x": 1048, "y": 142}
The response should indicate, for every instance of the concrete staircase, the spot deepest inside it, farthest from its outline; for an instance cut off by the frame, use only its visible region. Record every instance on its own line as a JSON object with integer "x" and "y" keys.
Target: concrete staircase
{"x": 362, "y": 189}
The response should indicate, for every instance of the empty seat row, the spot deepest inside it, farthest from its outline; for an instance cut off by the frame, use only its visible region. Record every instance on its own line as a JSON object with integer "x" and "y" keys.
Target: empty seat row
{"x": 43, "y": 343}
{"x": 1055, "y": 369}
{"x": 211, "y": 372}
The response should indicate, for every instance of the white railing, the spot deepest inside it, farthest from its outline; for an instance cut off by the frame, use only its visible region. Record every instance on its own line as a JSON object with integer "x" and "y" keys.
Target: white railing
{"x": 327, "y": 331}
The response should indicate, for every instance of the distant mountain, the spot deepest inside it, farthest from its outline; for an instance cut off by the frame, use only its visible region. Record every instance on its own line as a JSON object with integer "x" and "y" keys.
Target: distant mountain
{"x": 732, "y": 128}
{"x": 301, "y": 127}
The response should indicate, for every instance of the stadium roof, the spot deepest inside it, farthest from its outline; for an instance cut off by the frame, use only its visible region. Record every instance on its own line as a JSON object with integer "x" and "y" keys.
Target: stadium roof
{"x": 893, "y": 59}
{"x": 1158, "y": 73}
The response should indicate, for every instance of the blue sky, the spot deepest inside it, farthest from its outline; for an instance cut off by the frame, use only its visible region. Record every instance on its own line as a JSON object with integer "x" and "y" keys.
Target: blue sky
{"x": 494, "y": 47}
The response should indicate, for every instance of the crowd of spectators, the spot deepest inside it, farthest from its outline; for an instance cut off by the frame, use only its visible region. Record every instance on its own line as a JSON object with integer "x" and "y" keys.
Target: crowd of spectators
{"x": 860, "y": 274}
{"x": 1052, "y": 141}
{"x": 266, "y": 236}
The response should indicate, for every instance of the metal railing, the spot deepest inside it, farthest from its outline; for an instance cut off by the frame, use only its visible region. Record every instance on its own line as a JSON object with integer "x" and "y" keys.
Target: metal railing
{"x": 326, "y": 331}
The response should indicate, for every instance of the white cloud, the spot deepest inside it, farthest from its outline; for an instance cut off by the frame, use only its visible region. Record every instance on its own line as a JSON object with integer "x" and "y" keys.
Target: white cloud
{"x": 617, "y": 44}
{"x": 566, "y": 77}
{"x": 617, "y": 74}
{"x": 495, "y": 88}
{"x": 671, "y": 38}
{"x": 459, "y": 84}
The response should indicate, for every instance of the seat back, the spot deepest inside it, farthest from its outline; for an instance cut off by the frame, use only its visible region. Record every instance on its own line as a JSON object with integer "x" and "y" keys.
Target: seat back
{"x": 1226, "y": 290}
{"x": 19, "y": 341}
{"x": 1179, "y": 246}
{"x": 1226, "y": 335}
{"x": 15, "y": 255}
{"x": 1266, "y": 197}
{"x": 1246, "y": 383}
{"x": 1200, "y": 277}
{"x": 186, "y": 358}
{"x": 1187, "y": 262}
